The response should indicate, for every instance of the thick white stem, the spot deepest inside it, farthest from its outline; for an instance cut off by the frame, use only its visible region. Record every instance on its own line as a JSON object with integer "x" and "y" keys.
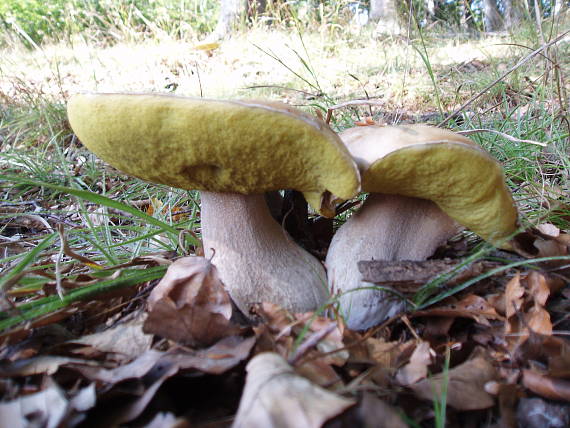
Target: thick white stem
{"x": 386, "y": 227}
{"x": 257, "y": 260}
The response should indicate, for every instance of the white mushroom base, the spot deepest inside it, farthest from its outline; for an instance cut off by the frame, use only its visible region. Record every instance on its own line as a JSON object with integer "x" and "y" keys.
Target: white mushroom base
{"x": 387, "y": 227}
{"x": 257, "y": 259}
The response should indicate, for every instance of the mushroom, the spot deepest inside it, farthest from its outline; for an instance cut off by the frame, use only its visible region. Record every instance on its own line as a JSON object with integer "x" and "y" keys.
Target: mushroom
{"x": 233, "y": 151}
{"x": 424, "y": 183}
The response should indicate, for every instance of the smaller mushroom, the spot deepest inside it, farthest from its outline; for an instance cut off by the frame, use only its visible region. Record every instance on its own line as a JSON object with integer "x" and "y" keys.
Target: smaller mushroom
{"x": 424, "y": 182}
{"x": 233, "y": 151}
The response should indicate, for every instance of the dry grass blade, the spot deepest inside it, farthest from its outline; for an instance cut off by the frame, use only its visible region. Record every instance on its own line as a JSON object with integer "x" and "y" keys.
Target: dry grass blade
{"x": 513, "y": 68}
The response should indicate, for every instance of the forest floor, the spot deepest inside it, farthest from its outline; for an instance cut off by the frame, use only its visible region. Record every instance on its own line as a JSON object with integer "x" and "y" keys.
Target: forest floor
{"x": 484, "y": 342}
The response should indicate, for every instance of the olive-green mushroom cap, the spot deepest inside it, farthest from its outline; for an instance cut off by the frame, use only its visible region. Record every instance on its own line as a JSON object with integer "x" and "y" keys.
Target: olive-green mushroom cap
{"x": 218, "y": 146}
{"x": 442, "y": 166}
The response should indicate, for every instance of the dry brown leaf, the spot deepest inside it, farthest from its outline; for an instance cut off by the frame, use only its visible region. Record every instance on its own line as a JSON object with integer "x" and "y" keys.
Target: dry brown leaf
{"x": 417, "y": 368}
{"x": 514, "y": 293}
{"x": 374, "y": 412}
{"x": 127, "y": 339}
{"x": 384, "y": 353}
{"x": 465, "y": 385}
{"x": 217, "y": 359}
{"x": 135, "y": 369}
{"x": 275, "y": 396}
{"x": 471, "y": 306}
{"x": 546, "y": 386}
{"x": 44, "y": 364}
{"x": 538, "y": 287}
{"x": 321, "y": 373}
{"x": 190, "y": 304}
{"x": 538, "y": 320}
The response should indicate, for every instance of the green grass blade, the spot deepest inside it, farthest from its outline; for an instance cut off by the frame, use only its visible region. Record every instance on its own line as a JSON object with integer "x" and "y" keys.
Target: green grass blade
{"x": 47, "y": 305}
{"x": 95, "y": 198}
{"x": 28, "y": 259}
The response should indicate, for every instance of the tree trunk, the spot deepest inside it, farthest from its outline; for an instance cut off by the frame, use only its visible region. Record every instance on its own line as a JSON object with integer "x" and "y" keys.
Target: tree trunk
{"x": 385, "y": 13}
{"x": 515, "y": 12}
{"x": 491, "y": 17}
{"x": 558, "y": 6}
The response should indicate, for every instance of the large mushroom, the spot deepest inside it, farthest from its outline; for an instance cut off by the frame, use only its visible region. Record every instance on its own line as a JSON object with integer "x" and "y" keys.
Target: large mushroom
{"x": 233, "y": 151}
{"x": 424, "y": 182}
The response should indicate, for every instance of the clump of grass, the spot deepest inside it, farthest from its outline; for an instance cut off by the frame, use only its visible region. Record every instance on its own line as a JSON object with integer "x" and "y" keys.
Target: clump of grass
{"x": 33, "y": 22}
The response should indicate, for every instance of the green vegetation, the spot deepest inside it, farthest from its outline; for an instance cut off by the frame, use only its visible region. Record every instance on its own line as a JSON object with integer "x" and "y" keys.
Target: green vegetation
{"x": 53, "y": 48}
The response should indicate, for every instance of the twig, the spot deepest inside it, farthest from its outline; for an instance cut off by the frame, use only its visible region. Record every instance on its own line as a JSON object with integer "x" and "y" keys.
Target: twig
{"x": 311, "y": 341}
{"x": 502, "y": 134}
{"x": 352, "y": 103}
{"x": 517, "y": 65}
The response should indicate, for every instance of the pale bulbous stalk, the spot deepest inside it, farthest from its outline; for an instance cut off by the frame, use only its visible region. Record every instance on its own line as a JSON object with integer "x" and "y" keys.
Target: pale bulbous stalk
{"x": 257, "y": 259}
{"x": 386, "y": 227}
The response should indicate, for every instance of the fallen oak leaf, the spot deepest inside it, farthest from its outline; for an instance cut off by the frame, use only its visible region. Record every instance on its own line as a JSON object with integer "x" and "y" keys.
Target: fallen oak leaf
{"x": 417, "y": 368}
{"x": 127, "y": 339}
{"x": 546, "y": 386}
{"x": 471, "y": 306}
{"x": 190, "y": 304}
{"x": 275, "y": 396}
{"x": 465, "y": 385}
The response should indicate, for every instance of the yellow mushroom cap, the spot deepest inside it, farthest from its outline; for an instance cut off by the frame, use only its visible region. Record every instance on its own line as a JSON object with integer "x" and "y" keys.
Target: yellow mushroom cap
{"x": 219, "y": 146}
{"x": 431, "y": 163}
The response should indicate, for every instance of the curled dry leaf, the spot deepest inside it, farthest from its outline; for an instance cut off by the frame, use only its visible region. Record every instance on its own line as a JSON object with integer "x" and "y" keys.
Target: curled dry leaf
{"x": 465, "y": 385}
{"x": 417, "y": 368}
{"x": 127, "y": 340}
{"x": 543, "y": 241}
{"x": 190, "y": 304}
{"x": 275, "y": 396}
{"x": 525, "y": 297}
{"x": 546, "y": 386}
{"x": 471, "y": 306}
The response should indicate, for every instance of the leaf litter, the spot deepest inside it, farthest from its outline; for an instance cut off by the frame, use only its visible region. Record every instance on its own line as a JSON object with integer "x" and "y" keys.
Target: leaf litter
{"x": 179, "y": 353}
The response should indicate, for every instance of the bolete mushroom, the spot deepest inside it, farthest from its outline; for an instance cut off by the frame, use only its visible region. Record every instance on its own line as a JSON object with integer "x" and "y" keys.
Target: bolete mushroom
{"x": 424, "y": 182}
{"x": 233, "y": 151}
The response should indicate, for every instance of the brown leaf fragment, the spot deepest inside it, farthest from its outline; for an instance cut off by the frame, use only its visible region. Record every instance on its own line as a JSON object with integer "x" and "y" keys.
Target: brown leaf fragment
{"x": 538, "y": 320}
{"x": 134, "y": 409}
{"x": 135, "y": 369}
{"x": 417, "y": 368}
{"x": 471, "y": 306}
{"x": 546, "y": 386}
{"x": 371, "y": 412}
{"x": 377, "y": 413}
{"x": 275, "y": 396}
{"x": 127, "y": 339}
{"x": 508, "y": 397}
{"x": 465, "y": 385}
{"x": 407, "y": 276}
{"x": 190, "y": 304}
{"x": 514, "y": 293}
{"x": 217, "y": 359}
{"x": 44, "y": 364}
{"x": 537, "y": 413}
{"x": 538, "y": 287}
{"x": 384, "y": 353}
{"x": 542, "y": 241}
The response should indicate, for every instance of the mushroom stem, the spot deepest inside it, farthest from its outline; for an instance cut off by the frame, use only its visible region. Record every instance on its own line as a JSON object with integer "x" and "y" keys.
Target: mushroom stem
{"x": 256, "y": 258}
{"x": 386, "y": 227}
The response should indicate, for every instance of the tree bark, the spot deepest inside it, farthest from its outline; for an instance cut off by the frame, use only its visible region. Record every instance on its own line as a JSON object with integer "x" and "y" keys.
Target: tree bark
{"x": 385, "y": 13}
{"x": 515, "y": 12}
{"x": 491, "y": 17}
